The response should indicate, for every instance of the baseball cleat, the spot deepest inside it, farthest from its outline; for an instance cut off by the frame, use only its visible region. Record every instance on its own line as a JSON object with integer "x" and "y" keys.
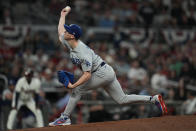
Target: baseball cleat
{"x": 61, "y": 121}
{"x": 160, "y": 104}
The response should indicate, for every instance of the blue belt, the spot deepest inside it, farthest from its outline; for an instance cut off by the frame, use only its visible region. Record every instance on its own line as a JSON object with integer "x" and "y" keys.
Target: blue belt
{"x": 102, "y": 64}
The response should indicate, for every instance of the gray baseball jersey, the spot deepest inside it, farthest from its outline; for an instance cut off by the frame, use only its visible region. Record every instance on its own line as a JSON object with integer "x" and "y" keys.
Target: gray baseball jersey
{"x": 102, "y": 76}
{"x": 83, "y": 56}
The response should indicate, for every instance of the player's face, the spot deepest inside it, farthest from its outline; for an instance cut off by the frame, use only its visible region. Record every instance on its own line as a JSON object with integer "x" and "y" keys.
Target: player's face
{"x": 28, "y": 78}
{"x": 68, "y": 36}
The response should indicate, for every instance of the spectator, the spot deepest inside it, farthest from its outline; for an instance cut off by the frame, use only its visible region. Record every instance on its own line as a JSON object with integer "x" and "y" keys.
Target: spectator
{"x": 8, "y": 93}
{"x": 147, "y": 12}
{"x": 7, "y": 19}
{"x": 98, "y": 110}
{"x": 181, "y": 92}
{"x": 107, "y": 20}
{"x": 172, "y": 76}
{"x": 191, "y": 18}
{"x": 6, "y": 51}
{"x": 142, "y": 112}
{"x": 177, "y": 11}
{"x": 117, "y": 36}
{"x": 159, "y": 81}
{"x": 55, "y": 6}
{"x": 189, "y": 106}
{"x": 47, "y": 44}
{"x": 171, "y": 94}
{"x": 14, "y": 74}
{"x": 186, "y": 73}
{"x": 41, "y": 59}
{"x": 29, "y": 43}
{"x": 48, "y": 81}
{"x": 184, "y": 21}
{"x": 171, "y": 98}
{"x": 177, "y": 63}
{"x": 162, "y": 19}
{"x": 133, "y": 20}
{"x": 136, "y": 72}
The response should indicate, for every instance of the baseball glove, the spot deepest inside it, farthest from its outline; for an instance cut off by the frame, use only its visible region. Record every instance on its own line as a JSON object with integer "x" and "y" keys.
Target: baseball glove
{"x": 70, "y": 76}
{"x": 62, "y": 77}
{"x": 65, "y": 77}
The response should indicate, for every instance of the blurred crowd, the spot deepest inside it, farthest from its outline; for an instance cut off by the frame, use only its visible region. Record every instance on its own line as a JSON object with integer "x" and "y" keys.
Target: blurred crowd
{"x": 145, "y": 13}
{"x": 158, "y": 68}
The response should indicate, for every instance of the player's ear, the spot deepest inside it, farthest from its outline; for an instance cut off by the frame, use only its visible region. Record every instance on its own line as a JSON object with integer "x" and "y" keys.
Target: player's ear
{"x": 72, "y": 37}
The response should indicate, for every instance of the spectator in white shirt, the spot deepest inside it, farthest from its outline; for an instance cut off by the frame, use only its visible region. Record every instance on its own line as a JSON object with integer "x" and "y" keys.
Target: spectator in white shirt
{"x": 137, "y": 73}
{"x": 189, "y": 106}
{"x": 159, "y": 81}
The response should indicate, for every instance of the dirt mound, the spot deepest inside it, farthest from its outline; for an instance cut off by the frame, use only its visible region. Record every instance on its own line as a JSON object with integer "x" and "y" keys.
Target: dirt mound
{"x": 168, "y": 123}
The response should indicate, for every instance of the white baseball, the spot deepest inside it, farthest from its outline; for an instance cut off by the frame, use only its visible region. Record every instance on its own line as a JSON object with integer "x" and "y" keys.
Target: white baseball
{"x": 67, "y": 8}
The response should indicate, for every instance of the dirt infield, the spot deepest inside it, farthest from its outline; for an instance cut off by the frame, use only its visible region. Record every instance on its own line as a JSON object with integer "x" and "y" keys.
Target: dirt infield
{"x": 168, "y": 123}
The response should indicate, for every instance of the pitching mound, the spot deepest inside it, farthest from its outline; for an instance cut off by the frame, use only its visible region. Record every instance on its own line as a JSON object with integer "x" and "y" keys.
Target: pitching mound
{"x": 168, "y": 123}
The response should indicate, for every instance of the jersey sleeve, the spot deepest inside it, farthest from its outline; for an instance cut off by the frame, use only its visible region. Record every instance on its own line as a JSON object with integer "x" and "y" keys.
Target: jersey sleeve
{"x": 86, "y": 63}
{"x": 64, "y": 42}
{"x": 19, "y": 85}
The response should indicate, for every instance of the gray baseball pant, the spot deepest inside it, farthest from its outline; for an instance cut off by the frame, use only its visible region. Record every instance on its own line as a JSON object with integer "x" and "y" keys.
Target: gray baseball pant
{"x": 104, "y": 77}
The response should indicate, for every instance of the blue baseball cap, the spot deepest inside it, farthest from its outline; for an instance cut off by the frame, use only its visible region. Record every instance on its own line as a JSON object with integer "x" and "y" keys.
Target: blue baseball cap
{"x": 11, "y": 82}
{"x": 74, "y": 30}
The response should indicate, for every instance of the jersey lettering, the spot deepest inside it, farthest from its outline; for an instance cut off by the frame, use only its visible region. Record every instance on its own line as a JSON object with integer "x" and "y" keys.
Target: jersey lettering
{"x": 75, "y": 61}
{"x": 87, "y": 63}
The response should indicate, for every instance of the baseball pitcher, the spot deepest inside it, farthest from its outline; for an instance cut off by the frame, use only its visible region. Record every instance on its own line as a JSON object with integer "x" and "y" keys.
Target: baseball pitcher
{"x": 26, "y": 93}
{"x": 96, "y": 73}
